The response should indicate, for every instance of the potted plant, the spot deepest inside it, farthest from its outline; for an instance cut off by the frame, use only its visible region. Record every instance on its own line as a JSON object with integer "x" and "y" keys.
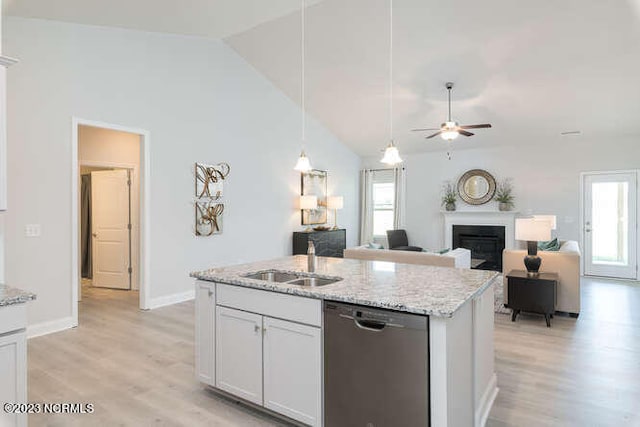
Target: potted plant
{"x": 504, "y": 195}
{"x": 449, "y": 196}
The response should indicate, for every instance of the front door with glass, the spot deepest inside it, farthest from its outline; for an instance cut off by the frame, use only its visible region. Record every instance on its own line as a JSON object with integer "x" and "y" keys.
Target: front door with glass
{"x": 610, "y": 220}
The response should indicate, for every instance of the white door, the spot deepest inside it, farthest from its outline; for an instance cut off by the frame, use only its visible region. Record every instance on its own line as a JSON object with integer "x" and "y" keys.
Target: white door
{"x": 293, "y": 370}
{"x": 610, "y": 224}
{"x": 239, "y": 353}
{"x": 110, "y": 219}
{"x": 205, "y": 332}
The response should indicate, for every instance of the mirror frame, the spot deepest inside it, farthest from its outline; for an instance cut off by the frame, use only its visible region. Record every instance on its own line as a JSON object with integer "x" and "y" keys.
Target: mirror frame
{"x": 477, "y": 200}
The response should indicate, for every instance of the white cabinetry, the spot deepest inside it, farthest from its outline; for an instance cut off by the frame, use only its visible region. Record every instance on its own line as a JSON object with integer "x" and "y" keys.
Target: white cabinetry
{"x": 292, "y": 370}
{"x": 205, "y": 332}
{"x": 268, "y": 348}
{"x": 239, "y": 353}
{"x": 4, "y": 63}
{"x": 13, "y": 362}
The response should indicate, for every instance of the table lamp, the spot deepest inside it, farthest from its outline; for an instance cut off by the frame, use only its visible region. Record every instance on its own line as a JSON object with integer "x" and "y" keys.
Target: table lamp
{"x": 335, "y": 203}
{"x": 533, "y": 230}
{"x": 308, "y": 203}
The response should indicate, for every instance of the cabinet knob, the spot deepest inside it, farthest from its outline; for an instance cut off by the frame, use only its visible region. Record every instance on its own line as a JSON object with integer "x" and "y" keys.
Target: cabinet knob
{"x": 256, "y": 328}
{"x": 210, "y": 292}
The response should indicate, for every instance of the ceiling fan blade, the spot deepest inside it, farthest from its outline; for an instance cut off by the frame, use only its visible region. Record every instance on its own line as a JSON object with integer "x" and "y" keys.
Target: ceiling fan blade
{"x": 482, "y": 126}
{"x": 431, "y": 136}
{"x": 464, "y": 132}
{"x": 421, "y": 130}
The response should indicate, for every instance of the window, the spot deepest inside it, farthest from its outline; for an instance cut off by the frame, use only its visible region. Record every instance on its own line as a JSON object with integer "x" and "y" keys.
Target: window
{"x": 383, "y": 202}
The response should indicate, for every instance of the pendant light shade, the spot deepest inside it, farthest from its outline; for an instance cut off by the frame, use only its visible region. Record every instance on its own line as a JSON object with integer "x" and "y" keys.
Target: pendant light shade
{"x": 391, "y": 155}
{"x": 303, "y": 164}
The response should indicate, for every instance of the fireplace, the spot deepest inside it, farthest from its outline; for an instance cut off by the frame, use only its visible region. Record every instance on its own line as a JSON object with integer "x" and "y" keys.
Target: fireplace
{"x": 486, "y": 243}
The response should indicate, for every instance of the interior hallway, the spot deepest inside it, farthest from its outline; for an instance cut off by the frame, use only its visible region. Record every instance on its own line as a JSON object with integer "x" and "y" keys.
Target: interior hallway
{"x": 137, "y": 367}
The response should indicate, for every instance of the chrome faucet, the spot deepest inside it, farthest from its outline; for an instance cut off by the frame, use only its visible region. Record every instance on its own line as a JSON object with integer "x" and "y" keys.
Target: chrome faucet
{"x": 311, "y": 257}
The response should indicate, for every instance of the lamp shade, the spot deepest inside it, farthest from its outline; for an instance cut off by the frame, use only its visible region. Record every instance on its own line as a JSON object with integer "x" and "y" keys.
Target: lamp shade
{"x": 550, "y": 218}
{"x": 530, "y": 229}
{"x": 335, "y": 202}
{"x": 391, "y": 155}
{"x": 303, "y": 164}
{"x": 308, "y": 202}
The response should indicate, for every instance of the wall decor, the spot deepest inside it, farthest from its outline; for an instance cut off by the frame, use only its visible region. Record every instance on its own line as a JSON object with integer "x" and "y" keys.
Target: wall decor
{"x": 476, "y": 187}
{"x": 209, "y": 180}
{"x": 314, "y": 183}
{"x": 208, "y": 217}
{"x": 209, "y": 192}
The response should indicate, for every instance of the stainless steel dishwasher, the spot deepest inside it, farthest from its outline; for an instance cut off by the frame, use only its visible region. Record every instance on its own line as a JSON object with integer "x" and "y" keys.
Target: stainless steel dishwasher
{"x": 376, "y": 370}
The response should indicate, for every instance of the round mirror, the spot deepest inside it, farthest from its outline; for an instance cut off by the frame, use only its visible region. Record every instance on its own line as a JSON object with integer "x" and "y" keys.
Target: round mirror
{"x": 476, "y": 187}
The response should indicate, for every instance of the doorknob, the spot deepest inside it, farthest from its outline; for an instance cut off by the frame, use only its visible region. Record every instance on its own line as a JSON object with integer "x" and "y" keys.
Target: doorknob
{"x": 94, "y": 234}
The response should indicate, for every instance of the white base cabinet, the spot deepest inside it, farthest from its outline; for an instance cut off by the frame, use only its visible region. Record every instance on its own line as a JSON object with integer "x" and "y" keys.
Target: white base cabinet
{"x": 13, "y": 362}
{"x": 265, "y": 348}
{"x": 292, "y": 370}
{"x": 205, "y": 332}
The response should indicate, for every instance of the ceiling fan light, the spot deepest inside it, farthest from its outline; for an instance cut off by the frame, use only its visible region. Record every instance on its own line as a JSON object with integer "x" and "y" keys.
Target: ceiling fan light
{"x": 303, "y": 164}
{"x": 391, "y": 155}
{"x": 449, "y": 135}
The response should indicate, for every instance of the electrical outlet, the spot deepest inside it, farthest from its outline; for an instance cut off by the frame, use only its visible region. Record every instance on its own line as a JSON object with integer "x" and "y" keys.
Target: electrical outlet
{"x": 32, "y": 230}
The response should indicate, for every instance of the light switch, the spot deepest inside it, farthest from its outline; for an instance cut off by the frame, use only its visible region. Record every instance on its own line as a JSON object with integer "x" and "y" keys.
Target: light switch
{"x": 32, "y": 230}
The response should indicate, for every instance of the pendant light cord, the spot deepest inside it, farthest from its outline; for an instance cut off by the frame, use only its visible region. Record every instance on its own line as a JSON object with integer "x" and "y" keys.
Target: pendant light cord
{"x": 391, "y": 71}
{"x": 449, "y": 89}
{"x": 302, "y": 42}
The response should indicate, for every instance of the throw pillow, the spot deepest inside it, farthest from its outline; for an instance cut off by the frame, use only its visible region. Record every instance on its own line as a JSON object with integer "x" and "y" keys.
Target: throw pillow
{"x": 551, "y": 245}
{"x": 374, "y": 245}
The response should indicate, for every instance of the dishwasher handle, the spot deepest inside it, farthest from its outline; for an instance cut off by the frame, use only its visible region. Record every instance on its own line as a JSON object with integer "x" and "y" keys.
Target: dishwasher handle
{"x": 370, "y": 325}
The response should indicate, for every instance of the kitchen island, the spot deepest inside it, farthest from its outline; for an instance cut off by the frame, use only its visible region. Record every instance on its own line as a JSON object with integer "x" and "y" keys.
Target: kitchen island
{"x": 13, "y": 352}
{"x": 262, "y": 341}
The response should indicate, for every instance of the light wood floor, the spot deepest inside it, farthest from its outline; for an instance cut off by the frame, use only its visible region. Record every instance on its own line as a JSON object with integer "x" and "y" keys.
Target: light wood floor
{"x": 137, "y": 367}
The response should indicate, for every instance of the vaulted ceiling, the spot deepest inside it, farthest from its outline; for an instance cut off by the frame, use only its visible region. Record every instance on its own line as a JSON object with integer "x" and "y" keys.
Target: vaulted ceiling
{"x": 532, "y": 69}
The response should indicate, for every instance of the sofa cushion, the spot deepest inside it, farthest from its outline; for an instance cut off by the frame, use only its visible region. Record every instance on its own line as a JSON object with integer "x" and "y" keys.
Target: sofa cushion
{"x": 551, "y": 245}
{"x": 570, "y": 246}
{"x": 374, "y": 245}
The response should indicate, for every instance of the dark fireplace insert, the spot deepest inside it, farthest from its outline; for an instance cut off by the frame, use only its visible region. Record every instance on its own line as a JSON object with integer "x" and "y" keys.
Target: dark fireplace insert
{"x": 486, "y": 243}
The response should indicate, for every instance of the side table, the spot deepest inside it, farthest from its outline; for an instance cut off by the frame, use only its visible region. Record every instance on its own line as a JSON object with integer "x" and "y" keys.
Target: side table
{"x": 536, "y": 294}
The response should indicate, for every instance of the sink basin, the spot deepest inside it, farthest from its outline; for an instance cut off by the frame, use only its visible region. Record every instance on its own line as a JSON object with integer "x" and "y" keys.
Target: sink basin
{"x": 272, "y": 276}
{"x": 313, "y": 281}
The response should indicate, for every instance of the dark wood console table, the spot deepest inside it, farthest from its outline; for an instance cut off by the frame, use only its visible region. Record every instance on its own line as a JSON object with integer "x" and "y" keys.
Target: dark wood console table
{"x": 329, "y": 243}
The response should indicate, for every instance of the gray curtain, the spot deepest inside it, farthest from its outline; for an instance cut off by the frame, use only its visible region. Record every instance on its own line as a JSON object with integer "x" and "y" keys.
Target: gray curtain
{"x": 366, "y": 206}
{"x": 400, "y": 186}
{"x": 85, "y": 226}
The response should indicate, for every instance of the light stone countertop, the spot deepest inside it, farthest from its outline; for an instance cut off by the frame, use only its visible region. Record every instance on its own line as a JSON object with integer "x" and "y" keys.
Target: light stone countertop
{"x": 419, "y": 289}
{"x": 11, "y": 296}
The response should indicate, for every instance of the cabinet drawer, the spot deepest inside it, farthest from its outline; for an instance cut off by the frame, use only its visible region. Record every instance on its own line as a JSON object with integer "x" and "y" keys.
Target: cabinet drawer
{"x": 13, "y": 317}
{"x": 289, "y": 307}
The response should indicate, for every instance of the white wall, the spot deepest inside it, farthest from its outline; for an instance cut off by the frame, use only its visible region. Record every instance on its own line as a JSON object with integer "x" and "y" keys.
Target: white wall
{"x": 107, "y": 147}
{"x": 200, "y": 102}
{"x": 546, "y": 179}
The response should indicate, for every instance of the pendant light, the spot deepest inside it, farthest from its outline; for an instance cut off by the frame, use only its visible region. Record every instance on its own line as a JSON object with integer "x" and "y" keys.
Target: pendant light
{"x": 303, "y": 164}
{"x": 391, "y": 155}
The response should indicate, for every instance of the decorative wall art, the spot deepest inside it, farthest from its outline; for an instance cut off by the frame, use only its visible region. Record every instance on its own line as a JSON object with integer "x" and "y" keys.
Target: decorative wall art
{"x": 209, "y": 192}
{"x": 314, "y": 183}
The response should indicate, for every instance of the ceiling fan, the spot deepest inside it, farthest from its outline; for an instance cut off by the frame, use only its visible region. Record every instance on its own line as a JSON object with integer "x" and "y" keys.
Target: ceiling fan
{"x": 450, "y": 129}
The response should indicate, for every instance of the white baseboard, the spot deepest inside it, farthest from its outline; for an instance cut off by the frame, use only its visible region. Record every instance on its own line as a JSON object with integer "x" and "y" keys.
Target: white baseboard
{"x": 49, "y": 327}
{"x": 172, "y": 299}
{"x": 486, "y": 402}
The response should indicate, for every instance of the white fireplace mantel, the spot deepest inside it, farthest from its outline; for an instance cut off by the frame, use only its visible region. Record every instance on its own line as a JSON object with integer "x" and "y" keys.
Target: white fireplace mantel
{"x": 480, "y": 217}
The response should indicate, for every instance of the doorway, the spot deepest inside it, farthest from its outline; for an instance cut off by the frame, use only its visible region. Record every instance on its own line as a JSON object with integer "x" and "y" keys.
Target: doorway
{"x": 610, "y": 224}
{"x": 110, "y": 197}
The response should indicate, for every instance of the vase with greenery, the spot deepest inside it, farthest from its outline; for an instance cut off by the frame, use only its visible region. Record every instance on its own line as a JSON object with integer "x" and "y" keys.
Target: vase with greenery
{"x": 504, "y": 195}
{"x": 449, "y": 196}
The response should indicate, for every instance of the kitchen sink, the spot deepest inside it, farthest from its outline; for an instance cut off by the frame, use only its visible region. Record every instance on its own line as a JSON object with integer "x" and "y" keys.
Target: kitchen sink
{"x": 272, "y": 276}
{"x": 299, "y": 279}
{"x": 314, "y": 281}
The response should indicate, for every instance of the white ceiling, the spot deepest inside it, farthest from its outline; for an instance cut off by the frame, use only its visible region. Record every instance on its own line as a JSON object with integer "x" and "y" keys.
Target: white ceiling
{"x": 209, "y": 18}
{"x": 531, "y": 68}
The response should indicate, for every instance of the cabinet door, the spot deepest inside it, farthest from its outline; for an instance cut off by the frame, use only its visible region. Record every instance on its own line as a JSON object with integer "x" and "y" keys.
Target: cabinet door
{"x": 293, "y": 370}
{"x": 205, "y": 332}
{"x": 239, "y": 353}
{"x": 13, "y": 376}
